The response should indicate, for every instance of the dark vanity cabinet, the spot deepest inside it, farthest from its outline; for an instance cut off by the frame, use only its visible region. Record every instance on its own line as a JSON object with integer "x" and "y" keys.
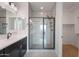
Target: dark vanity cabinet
{"x": 18, "y": 49}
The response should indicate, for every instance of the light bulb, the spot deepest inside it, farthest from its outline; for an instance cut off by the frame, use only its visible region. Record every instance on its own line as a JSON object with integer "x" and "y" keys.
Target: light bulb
{"x": 41, "y": 8}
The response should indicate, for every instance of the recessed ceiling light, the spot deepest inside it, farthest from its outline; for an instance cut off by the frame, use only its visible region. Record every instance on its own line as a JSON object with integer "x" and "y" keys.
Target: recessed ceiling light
{"x": 41, "y": 13}
{"x": 41, "y": 8}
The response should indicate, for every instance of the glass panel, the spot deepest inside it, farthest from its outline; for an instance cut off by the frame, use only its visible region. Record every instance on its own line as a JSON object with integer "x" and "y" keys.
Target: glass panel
{"x": 36, "y": 33}
{"x": 48, "y": 33}
{"x": 11, "y": 23}
{"x": 3, "y": 25}
{"x": 20, "y": 23}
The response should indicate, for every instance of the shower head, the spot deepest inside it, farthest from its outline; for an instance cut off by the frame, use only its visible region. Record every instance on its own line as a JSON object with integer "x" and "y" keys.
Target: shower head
{"x": 50, "y": 17}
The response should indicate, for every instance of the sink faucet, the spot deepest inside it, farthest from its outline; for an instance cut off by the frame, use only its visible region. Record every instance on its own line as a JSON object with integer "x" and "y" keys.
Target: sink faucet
{"x": 9, "y": 35}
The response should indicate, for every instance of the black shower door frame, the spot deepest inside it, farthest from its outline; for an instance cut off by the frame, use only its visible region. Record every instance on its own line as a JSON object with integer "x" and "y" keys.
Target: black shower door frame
{"x": 43, "y": 32}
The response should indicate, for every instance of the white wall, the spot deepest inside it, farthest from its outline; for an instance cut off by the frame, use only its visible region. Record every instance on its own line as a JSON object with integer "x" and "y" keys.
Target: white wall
{"x": 54, "y": 11}
{"x": 77, "y": 44}
{"x": 76, "y": 15}
{"x": 76, "y": 18}
{"x": 58, "y": 14}
{"x": 71, "y": 17}
{"x": 67, "y": 16}
{"x": 30, "y": 10}
{"x": 69, "y": 36}
{"x": 23, "y": 12}
{"x": 68, "y": 27}
{"x": 58, "y": 35}
{"x": 37, "y": 14}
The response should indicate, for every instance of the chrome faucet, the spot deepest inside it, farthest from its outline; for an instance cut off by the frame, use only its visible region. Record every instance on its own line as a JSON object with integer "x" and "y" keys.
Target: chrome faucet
{"x": 9, "y": 35}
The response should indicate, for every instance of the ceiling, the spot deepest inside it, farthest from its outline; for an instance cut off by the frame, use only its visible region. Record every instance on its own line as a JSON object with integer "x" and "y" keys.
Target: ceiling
{"x": 48, "y": 6}
{"x": 71, "y": 5}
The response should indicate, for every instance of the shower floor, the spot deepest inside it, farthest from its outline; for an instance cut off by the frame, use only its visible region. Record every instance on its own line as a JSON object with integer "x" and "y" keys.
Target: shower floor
{"x": 39, "y": 46}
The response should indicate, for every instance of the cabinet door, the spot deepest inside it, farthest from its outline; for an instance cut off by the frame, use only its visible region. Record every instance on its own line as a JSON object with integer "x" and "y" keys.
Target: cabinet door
{"x": 17, "y": 49}
{"x": 10, "y": 51}
{"x": 23, "y": 46}
{"x": 13, "y": 50}
{"x": 24, "y": 43}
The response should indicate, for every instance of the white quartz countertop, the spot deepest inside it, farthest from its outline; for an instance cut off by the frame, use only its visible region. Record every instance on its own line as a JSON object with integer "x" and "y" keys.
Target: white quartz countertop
{"x": 4, "y": 42}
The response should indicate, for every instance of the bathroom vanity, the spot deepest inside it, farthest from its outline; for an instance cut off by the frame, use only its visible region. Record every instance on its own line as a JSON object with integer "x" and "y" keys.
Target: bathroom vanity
{"x": 17, "y": 49}
{"x": 16, "y": 44}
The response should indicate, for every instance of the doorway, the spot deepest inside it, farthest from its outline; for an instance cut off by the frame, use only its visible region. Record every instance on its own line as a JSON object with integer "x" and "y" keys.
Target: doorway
{"x": 41, "y": 32}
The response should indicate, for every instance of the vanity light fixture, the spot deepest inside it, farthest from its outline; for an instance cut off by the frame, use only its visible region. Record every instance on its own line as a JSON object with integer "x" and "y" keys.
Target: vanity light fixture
{"x": 41, "y": 13}
{"x": 13, "y": 5}
{"x": 41, "y": 8}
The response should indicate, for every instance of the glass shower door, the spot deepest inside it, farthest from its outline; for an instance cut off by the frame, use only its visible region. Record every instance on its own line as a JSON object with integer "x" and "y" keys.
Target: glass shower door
{"x": 48, "y": 33}
{"x": 36, "y": 33}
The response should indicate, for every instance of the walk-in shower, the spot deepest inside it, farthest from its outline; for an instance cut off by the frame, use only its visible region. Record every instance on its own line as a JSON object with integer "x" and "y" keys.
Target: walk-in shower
{"x": 41, "y": 32}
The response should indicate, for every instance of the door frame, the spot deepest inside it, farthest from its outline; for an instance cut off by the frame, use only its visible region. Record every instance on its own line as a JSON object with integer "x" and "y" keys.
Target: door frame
{"x": 43, "y": 32}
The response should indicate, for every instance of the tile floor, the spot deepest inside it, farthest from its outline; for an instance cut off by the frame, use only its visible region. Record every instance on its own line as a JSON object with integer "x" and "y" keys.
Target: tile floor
{"x": 40, "y": 53}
